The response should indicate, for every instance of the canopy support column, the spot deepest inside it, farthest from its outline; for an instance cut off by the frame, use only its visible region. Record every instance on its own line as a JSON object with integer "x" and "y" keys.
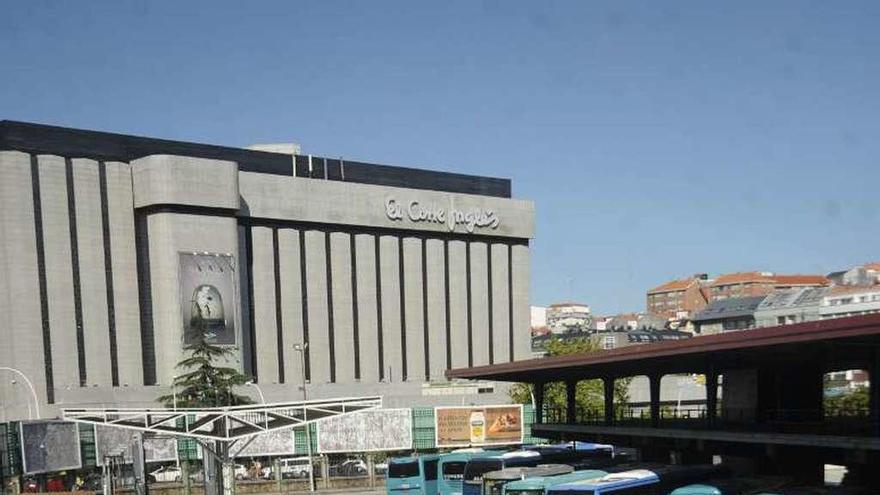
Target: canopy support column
{"x": 538, "y": 401}
{"x": 654, "y": 379}
{"x": 571, "y": 401}
{"x": 608, "y": 383}
{"x": 711, "y": 397}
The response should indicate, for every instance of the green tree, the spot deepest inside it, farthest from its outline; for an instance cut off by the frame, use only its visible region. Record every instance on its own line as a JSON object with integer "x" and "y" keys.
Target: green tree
{"x": 203, "y": 384}
{"x": 589, "y": 394}
{"x": 850, "y": 403}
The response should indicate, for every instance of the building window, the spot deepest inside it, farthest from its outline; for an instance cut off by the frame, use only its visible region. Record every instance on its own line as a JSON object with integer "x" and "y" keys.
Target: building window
{"x": 780, "y": 320}
{"x": 608, "y": 342}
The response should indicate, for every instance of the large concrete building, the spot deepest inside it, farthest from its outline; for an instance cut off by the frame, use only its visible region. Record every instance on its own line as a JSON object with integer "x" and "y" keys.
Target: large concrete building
{"x": 109, "y": 244}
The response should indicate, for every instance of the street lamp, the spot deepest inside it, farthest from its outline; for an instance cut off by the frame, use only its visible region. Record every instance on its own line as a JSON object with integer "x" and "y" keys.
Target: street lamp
{"x": 301, "y": 349}
{"x": 251, "y": 383}
{"x": 174, "y": 391}
{"x": 30, "y": 386}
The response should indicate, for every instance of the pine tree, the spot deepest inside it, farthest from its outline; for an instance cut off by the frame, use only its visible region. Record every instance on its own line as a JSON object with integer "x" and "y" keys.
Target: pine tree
{"x": 203, "y": 384}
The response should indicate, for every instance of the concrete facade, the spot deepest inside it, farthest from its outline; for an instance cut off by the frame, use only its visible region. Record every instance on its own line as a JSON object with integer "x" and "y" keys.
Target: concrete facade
{"x": 389, "y": 285}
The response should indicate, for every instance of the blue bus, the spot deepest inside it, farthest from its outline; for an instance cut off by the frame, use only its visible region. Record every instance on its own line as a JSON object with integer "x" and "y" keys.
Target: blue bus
{"x": 450, "y": 468}
{"x": 494, "y": 481}
{"x": 654, "y": 481}
{"x": 565, "y": 452}
{"x": 730, "y": 486}
{"x": 837, "y": 490}
{"x": 412, "y": 475}
{"x": 493, "y": 461}
{"x": 629, "y": 482}
{"x": 539, "y": 485}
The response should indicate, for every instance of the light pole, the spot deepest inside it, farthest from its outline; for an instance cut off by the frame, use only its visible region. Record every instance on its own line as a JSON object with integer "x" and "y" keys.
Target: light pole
{"x": 30, "y": 386}
{"x": 250, "y": 383}
{"x": 174, "y": 391}
{"x": 301, "y": 349}
{"x": 259, "y": 391}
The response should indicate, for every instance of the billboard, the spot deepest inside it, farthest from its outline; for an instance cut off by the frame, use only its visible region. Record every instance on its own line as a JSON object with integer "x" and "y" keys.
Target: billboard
{"x": 478, "y": 425}
{"x": 49, "y": 446}
{"x": 366, "y": 431}
{"x": 278, "y": 442}
{"x": 118, "y": 441}
{"x": 207, "y": 297}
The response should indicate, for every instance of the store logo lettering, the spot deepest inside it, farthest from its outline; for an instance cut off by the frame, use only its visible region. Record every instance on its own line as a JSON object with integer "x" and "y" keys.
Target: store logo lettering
{"x": 416, "y": 212}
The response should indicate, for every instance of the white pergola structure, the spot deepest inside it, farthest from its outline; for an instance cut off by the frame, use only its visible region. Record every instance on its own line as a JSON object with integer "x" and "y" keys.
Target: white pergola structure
{"x": 223, "y": 426}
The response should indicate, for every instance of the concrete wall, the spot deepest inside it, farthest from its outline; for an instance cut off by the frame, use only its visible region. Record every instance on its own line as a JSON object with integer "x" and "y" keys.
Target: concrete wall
{"x": 21, "y": 330}
{"x": 377, "y": 295}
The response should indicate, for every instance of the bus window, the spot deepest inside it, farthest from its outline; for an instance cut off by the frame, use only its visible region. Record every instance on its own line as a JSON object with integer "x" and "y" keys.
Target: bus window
{"x": 403, "y": 469}
{"x": 453, "y": 470}
{"x": 431, "y": 470}
{"x": 477, "y": 467}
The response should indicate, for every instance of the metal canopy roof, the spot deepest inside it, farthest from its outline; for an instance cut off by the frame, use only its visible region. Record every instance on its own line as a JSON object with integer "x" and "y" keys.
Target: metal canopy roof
{"x": 221, "y": 423}
{"x": 854, "y": 340}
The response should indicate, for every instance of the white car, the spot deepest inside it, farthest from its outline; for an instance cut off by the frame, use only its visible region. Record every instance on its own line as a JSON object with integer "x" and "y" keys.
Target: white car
{"x": 295, "y": 467}
{"x": 166, "y": 474}
{"x": 241, "y": 472}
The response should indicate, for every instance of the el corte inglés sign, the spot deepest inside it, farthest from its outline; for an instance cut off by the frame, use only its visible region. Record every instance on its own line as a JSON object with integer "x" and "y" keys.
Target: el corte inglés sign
{"x": 416, "y": 211}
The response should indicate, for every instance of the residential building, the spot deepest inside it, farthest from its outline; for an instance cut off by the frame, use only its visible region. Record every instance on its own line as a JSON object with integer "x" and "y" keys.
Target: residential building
{"x": 635, "y": 321}
{"x": 568, "y": 317}
{"x": 622, "y": 338}
{"x": 723, "y": 315}
{"x": 847, "y": 300}
{"x": 786, "y": 307}
{"x": 678, "y": 299}
{"x": 867, "y": 274}
{"x": 748, "y": 284}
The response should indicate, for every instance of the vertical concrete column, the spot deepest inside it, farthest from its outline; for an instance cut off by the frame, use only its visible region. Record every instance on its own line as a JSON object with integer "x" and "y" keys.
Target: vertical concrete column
{"x": 571, "y": 401}
{"x": 874, "y": 399}
{"x": 539, "y": 402}
{"x": 608, "y": 382}
{"x": 325, "y": 471}
{"x": 711, "y": 397}
{"x": 654, "y": 379}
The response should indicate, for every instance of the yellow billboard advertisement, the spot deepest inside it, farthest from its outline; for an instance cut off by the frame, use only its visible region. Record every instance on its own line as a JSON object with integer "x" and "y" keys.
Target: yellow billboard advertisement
{"x": 478, "y": 425}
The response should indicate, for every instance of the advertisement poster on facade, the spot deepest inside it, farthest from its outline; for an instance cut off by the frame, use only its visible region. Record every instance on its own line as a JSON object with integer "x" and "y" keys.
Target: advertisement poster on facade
{"x": 114, "y": 441}
{"x": 478, "y": 425}
{"x": 273, "y": 443}
{"x": 207, "y": 297}
{"x": 48, "y": 446}
{"x": 366, "y": 431}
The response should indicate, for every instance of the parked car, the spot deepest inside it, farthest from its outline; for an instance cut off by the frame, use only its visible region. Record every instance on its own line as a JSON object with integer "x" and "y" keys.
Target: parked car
{"x": 165, "y": 474}
{"x": 351, "y": 467}
{"x": 294, "y": 467}
{"x": 241, "y": 472}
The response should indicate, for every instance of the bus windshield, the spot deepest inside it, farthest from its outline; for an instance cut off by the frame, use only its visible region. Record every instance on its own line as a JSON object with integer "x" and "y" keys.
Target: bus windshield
{"x": 453, "y": 470}
{"x": 409, "y": 469}
{"x": 477, "y": 467}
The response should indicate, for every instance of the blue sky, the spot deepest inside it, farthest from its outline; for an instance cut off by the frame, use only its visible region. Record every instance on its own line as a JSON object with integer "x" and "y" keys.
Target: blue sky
{"x": 657, "y": 139}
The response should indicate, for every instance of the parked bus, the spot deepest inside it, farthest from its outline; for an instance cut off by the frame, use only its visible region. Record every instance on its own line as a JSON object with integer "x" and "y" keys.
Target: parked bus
{"x": 494, "y": 481}
{"x": 655, "y": 481}
{"x": 731, "y": 486}
{"x": 836, "y": 490}
{"x": 540, "y": 484}
{"x": 565, "y": 452}
{"x": 479, "y": 465}
{"x": 412, "y": 475}
{"x": 450, "y": 468}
